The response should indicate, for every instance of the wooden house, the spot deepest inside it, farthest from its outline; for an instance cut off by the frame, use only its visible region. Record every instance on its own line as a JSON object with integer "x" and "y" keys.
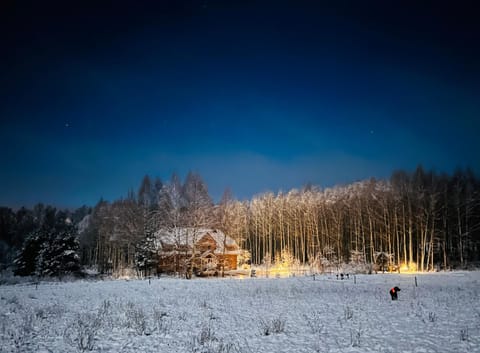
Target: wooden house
{"x": 204, "y": 251}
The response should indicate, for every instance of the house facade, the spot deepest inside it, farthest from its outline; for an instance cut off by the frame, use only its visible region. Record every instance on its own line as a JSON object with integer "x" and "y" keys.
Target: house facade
{"x": 202, "y": 251}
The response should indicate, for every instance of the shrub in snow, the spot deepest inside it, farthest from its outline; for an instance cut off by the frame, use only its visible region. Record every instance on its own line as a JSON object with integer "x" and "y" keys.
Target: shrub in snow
{"x": 50, "y": 311}
{"x": 81, "y": 332}
{"x": 355, "y": 336}
{"x": 14, "y": 304}
{"x": 314, "y": 322}
{"x": 21, "y": 335}
{"x": 219, "y": 347}
{"x": 206, "y": 335}
{"x": 347, "y": 313}
{"x": 464, "y": 334}
{"x": 276, "y": 325}
{"x": 13, "y": 300}
{"x": 159, "y": 320}
{"x": 105, "y": 314}
{"x": 207, "y": 342}
{"x": 137, "y": 319}
{"x": 183, "y": 316}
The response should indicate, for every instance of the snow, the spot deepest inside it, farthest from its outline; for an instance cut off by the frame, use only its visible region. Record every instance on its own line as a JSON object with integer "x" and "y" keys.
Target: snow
{"x": 182, "y": 236}
{"x": 297, "y": 314}
{"x": 83, "y": 225}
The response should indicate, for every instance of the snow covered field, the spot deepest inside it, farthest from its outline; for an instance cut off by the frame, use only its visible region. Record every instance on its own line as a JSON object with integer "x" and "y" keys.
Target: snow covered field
{"x": 254, "y": 315}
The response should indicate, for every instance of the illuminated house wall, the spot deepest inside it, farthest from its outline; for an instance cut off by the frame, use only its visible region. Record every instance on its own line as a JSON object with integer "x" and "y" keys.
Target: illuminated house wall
{"x": 209, "y": 249}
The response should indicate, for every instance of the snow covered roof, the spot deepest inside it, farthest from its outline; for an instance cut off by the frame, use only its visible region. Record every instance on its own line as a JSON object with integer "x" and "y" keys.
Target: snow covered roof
{"x": 179, "y": 237}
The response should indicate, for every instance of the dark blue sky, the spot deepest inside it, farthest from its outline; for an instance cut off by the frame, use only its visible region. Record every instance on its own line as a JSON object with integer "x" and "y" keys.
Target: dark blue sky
{"x": 253, "y": 95}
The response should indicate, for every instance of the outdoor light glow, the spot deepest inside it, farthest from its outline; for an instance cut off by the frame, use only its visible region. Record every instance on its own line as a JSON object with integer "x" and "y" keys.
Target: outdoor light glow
{"x": 411, "y": 267}
{"x": 280, "y": 270}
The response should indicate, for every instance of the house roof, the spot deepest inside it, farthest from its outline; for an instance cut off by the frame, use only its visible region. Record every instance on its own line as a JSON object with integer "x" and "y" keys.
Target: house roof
{"x": 180, "y": 237}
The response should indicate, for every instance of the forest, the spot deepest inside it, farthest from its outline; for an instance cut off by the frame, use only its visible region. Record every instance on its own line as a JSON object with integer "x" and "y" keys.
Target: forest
{"x": 414, "y": 221}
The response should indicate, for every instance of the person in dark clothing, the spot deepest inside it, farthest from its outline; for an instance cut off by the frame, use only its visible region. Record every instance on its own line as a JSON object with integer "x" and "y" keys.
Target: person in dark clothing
{"x": 393, "y": 293}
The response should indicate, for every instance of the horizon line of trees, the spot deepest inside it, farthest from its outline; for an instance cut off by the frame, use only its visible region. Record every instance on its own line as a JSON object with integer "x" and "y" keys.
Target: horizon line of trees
{"x": 423, "y": 220}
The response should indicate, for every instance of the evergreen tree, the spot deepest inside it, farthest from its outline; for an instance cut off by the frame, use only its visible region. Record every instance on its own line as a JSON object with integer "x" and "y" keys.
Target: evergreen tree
{"x": 52, "y": 249}
{"x": 146, "y": 256}
{"x": 26, "y": 261}
{"x": 59, "y": 253}
{"x": 68, "y": 259}
{"x": 7, "y": 234}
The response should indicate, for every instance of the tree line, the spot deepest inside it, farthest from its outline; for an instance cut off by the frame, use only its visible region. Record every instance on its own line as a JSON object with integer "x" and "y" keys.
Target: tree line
{"x": 42, "y": 241}
{"x": 419, "y": 220}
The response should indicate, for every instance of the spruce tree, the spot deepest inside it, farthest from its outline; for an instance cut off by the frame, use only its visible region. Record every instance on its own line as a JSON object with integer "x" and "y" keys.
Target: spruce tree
{"x": 146, "y": 255}
{"x": 59, "y": 253}
{"x": 26, "y": 261}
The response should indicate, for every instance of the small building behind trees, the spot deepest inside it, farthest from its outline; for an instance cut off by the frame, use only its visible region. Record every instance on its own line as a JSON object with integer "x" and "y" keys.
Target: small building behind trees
{"x": 198, "y": 251}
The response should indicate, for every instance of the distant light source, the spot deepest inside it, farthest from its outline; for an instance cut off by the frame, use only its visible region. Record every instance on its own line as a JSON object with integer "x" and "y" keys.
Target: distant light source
{"x": 411, "y": 267}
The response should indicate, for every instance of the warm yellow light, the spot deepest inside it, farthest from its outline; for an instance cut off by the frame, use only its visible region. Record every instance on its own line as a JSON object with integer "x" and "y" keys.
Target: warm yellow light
{"x": 411, "y": 267}
{"x": 275, "y": 270}
{"x": 279, "y": 271}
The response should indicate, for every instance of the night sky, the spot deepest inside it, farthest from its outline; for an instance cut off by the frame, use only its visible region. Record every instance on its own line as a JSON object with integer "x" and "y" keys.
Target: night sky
{"x": 253, "y": 95}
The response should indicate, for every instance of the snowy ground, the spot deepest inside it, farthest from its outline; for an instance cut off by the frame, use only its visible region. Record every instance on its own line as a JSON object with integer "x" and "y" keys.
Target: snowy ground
{"x": 254, "y": 315}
